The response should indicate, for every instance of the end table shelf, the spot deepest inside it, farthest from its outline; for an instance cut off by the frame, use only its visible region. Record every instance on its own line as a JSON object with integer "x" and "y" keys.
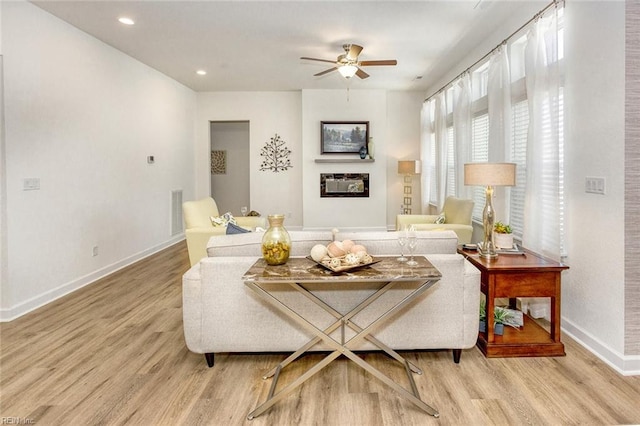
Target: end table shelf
{"x": 510, "y": 277}
{"x": 529, "y": 340}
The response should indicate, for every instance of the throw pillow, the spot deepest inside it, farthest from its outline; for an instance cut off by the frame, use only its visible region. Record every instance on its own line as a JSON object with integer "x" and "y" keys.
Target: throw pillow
{"x": 223, "y": 220}
{"x": 235, "y": 229}
{"x": 440, "y": 219}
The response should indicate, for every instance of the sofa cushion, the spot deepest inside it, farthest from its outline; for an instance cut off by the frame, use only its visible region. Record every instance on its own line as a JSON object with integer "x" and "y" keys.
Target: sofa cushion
{"x": 223, "y": 220}
{"x": 250, "y": 244}
{"x": 386, "y": 243}
{"x": 235, "y": 229}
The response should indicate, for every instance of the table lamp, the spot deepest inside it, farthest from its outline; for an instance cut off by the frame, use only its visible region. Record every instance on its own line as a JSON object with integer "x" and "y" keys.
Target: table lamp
{"x": 408, "y": 168}
{"x": 489, "y": 175}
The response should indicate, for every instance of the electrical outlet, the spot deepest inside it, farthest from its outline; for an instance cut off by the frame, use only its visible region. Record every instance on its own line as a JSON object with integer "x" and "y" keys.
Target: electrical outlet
{"x": 94, "y": 251}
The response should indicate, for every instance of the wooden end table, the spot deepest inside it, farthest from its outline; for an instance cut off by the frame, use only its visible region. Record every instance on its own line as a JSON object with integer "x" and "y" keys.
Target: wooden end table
{"x": 518, "y": 275}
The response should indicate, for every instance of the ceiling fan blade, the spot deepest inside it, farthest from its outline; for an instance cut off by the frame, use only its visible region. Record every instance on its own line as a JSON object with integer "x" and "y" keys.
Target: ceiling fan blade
{"x": 354, "y": 51}
{"x": 319, "y": 60}
{"x": 362, "y": 74}
{"x": 325, "y": 72}
{"x": 384, "y": 62}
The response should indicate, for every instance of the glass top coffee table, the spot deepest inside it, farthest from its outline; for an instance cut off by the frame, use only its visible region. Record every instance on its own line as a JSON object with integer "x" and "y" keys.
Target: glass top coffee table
{"x": 383, "y": 276}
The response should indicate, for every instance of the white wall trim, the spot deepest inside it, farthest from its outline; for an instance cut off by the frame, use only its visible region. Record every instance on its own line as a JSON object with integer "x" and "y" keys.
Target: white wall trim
{"x": 47, "y": 297}
{"x": 627, "y": 365}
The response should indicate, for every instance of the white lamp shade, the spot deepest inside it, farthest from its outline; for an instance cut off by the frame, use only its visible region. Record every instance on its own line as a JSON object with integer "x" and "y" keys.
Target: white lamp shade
{"x": 409, "y": 167}
{"x": 490, "y": 174}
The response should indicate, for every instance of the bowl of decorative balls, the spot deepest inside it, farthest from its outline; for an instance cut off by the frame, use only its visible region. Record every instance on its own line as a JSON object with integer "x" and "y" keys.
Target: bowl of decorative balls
{"x": 340, "y": 256}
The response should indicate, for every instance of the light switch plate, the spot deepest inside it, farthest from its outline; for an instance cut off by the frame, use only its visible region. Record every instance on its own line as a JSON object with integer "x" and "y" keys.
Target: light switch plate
{"x": 594, "y": 185}
{"x": 31, "y": 184}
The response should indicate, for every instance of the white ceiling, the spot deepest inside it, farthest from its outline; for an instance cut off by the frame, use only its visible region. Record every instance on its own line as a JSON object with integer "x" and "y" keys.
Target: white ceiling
{"x": 257, "y": 45}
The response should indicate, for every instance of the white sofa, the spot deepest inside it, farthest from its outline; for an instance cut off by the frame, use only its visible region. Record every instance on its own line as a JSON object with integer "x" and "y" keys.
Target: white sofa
{"x": 221, "y": 314}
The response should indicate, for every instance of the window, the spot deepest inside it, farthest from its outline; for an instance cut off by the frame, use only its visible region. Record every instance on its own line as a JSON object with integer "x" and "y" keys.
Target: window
{"x": 451, "y": 166}
{"x": 519, "y": 132}
{"x": 550, "y": 182}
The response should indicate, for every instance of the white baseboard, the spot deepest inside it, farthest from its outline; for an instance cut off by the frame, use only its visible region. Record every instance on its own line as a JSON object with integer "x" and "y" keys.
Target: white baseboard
{"x": 627, "y": 365}
{"x": 36, "y": 302}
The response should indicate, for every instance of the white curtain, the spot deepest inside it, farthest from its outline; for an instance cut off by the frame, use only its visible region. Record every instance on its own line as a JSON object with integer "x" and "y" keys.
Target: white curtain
{"x": 462, "y": 132}
{"x": 499, "y": 99}
{"x": 542, "y": 208}
{"x": 441, "y": 147}
{"x": 427, "y": 138}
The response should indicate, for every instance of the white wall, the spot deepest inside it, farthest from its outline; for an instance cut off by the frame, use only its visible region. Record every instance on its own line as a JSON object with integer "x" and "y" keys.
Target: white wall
{"x": 4, "y": 260}
{"x": 593, "y": 290}
{"x": 344, "y": 213}
{"x": 268, "y": 113}
{"x": 296, "y": 117}
{"x": 403, "y": 115}
{"x": 82, "y": 117}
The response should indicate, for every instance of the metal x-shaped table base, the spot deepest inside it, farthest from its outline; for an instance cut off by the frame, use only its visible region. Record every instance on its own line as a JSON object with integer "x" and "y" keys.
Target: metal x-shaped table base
{"x": 341, "y": 348}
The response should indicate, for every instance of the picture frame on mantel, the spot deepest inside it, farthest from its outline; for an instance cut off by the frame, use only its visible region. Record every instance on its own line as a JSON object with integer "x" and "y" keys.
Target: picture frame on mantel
{"x": 343, "y": 137}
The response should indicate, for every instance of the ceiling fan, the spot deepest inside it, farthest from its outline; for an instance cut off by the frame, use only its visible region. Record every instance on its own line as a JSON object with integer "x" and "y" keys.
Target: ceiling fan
{"x": 348, "y": 65}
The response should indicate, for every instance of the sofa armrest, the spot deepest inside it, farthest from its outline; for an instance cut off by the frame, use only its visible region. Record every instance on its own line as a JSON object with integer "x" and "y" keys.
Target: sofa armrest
{"x": 471, "y": 302}
{"x": 192, "y": 309}
{"x": 460, "y": 286}
{"x": 403, "y": 220}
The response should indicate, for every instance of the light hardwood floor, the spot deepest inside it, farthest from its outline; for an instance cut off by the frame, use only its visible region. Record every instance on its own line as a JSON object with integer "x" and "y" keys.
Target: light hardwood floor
{"x": 113, "y": 353}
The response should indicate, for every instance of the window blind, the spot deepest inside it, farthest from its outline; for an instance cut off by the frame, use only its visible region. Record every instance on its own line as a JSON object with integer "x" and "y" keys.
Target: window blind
{"x": 519, "y": 130}
{"x": 451, "y": 166}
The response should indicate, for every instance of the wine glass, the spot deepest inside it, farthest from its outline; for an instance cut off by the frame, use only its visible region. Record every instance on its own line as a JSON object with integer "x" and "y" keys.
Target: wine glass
{"x": 412, "y": 242}
{"x": 244, "y": 210}
{"x": 402, "y": 241}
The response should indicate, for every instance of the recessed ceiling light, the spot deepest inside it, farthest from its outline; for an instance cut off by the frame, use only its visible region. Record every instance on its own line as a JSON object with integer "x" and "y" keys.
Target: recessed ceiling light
{"x": 201, "y": 72}
{"x": 126, "y": 21}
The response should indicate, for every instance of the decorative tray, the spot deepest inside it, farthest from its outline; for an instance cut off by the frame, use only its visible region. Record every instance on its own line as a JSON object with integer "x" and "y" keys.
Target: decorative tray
{"x": 345, "y": 268}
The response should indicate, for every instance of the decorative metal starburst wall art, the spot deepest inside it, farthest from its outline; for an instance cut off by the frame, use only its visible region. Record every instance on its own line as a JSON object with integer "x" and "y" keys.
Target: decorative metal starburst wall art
{"x": 276, "y": 155}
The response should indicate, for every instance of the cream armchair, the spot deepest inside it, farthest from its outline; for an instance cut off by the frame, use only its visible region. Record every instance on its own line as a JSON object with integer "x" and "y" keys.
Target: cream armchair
{"x": 457, "y": 217}
{"x": 199, "y": 229}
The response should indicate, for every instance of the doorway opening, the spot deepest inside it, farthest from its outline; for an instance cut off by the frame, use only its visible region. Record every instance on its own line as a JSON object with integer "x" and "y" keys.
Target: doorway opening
{"x": 230, "y": 174}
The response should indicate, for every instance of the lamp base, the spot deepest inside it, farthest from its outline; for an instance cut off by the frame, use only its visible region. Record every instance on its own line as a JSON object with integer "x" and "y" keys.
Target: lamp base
{"x": 486, "y": 254}
{"x": 487, "y": 248}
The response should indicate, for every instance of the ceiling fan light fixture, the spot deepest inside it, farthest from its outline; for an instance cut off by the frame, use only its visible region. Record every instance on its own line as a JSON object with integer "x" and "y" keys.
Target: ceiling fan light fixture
{"x": 348, "y": 71}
